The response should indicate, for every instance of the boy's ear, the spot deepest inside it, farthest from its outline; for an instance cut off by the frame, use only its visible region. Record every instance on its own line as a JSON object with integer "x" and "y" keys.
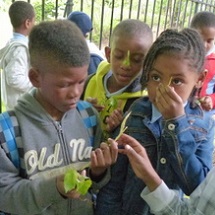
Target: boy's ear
{"x": 107, "y": 53}
{"x": 27, "y": 23}
{"x": 201, "y": 78}
{"x": 34, "y": 77}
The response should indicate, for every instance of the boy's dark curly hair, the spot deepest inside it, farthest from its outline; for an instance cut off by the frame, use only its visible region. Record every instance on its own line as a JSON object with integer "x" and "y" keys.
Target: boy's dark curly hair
{"x": 58, "y": 41}
{"x": 19, "y": 12}
{"x": 203, "y": 19}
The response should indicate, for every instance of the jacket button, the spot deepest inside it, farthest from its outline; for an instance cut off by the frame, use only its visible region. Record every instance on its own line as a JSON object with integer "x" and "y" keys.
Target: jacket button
{"x": 171, "y": 127}
{"x": 163, "y": 160}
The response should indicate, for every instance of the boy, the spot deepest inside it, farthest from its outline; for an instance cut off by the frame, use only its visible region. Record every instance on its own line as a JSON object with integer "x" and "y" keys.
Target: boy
{"x": 116, "y": 83}
{"x": 204, "y": 23}
{"x": 14, "y": 56}
{"x": 83, "y": 21}
{"x": 53, "y": 136}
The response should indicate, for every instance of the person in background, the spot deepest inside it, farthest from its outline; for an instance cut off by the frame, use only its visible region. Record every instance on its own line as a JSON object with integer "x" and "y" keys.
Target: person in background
{"x": 161, "y": 199}
{"x": 116, "y": 83}
{"x": 83, "y": 21}
{"x": 177, "y": 137}
{"x": 204, "y": 23}
{"x": 53, "y": 135}
{"x": 14, "y": 57}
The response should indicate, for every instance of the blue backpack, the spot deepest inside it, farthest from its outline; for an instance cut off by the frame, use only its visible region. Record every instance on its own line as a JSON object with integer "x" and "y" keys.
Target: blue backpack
{"x": 10, "y": 131}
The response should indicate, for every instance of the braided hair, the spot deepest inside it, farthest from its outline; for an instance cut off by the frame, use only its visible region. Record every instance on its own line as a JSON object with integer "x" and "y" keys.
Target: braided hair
{"x": 187, "y": 44}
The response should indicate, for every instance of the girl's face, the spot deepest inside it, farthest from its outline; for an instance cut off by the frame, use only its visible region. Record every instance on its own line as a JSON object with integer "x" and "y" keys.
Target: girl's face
{"x": 126, "y": 57}
{"x": 175, "y": 72}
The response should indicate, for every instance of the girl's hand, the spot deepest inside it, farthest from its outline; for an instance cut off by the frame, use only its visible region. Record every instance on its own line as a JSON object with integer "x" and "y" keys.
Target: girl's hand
{"x": 139, "y": 161}
{"x": 168, "y": 102}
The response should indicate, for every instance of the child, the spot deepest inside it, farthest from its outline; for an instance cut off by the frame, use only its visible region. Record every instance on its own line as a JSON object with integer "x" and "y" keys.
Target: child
{"x": 116, "y": 83}
{"x": 204, "y": 23}
{"x": 53, "y": 136}
{"x": 177, "y": 137}
{"x": 15, "y": 57}
{"x": 158, "y": 196}
{"x": 83, "y": 21}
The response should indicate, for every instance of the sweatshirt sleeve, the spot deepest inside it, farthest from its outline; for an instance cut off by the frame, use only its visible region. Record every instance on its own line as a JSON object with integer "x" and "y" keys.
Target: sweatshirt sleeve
{"x": 17, "y": 68}
{"x": 164, "y": 201}
{"x": 97, "y": 185}
{"x": 159, "y": 198}
{"x": 15, "y": 191}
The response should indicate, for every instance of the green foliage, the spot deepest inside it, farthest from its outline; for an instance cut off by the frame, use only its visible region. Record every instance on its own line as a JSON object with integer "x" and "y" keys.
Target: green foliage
{"x": 4, "y": 5}
{"x": 46, "y": 13}
{"x": 75, "y": 181}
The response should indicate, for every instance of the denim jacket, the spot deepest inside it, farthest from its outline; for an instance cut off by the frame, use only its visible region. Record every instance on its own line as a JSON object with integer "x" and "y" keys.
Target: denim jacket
{"x": 180, "y": 150}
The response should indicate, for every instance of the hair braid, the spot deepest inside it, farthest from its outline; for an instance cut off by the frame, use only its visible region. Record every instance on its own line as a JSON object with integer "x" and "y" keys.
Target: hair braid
{"x": 187, "y": 44}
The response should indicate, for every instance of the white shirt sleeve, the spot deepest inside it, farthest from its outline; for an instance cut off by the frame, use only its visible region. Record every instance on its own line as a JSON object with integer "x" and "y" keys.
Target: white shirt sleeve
{"x": 159, "y": 198}
{"x": 16, "y": 71}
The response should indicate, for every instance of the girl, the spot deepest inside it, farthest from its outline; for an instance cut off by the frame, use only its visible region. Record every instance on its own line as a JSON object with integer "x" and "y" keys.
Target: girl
{"x": 177, "y": 136}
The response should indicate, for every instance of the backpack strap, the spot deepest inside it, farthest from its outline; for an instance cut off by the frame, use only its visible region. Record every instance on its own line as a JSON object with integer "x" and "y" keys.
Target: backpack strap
{"x": 9, "y": 131}
{"x": 89, "y": 118}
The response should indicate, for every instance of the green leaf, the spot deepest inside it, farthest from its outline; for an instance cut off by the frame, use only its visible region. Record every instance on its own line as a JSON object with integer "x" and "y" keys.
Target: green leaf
{"x": 74, "y": 180}
{"x": 83, "y": 186}
{"x": 70, "y": 180}
{"x": 113, "y": 102}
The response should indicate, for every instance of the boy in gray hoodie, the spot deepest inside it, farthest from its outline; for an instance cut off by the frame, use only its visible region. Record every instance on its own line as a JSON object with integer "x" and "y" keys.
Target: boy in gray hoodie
{"x": 53, "y": 135}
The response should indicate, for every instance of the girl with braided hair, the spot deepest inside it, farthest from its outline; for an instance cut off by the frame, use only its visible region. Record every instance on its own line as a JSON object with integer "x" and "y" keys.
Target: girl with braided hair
{"x": 177, "y": 136}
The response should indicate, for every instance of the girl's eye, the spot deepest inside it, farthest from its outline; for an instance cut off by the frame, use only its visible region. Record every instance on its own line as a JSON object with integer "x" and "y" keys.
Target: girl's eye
{"x": 155, "y": 78}
{"x": 176, "y": 82}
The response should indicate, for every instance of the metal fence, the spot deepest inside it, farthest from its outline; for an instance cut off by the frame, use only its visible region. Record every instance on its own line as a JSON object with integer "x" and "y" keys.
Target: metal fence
{"x": 105, "y": 14}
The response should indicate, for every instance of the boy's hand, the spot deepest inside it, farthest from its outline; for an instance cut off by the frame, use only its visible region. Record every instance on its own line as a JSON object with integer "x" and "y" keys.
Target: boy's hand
{"x": 73, "y": 194}
{"x": 206, "y": 103}
{"x": 139, "y": 161}
{"x": 114, "y": 120}
{"x": 103, "y": 157}
{"x": 168, "y": 102}
{"x": 95, "y": 104}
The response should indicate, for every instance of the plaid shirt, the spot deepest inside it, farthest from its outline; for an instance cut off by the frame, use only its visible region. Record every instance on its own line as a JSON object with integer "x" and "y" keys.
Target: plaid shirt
{"x": 167, "y": 202}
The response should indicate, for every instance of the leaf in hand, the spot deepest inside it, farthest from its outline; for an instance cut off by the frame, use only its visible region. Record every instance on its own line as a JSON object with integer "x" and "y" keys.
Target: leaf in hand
{"x": 75, "y": 181}
{"x": 83, "y": 185}
{"x": 70, "y": 180}
{"x": 113, "y": 102}
{"x": 123, "y": 128}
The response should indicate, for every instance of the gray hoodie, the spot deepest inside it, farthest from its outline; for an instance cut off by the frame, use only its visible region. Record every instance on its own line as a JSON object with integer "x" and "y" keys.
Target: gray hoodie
{"x": 47, "y": 149}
